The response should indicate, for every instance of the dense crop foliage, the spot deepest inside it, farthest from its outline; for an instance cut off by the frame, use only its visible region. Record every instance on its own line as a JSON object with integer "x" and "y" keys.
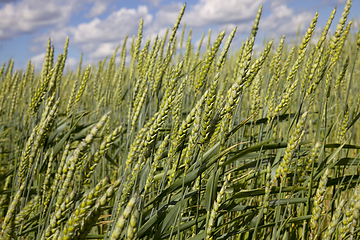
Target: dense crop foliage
{"x": 186, "y": 144}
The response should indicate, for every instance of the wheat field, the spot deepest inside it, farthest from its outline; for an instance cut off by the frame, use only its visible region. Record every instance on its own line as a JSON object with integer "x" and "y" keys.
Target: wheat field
{"x": 186, "y": 144}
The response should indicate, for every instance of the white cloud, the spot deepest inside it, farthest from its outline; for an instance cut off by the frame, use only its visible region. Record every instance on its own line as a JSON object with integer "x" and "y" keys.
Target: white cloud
{"x": 71, "y": 63}
{"x": 97, "y": 51}
{"x": 115, "y": 27}
{"x": 30, "y": 15}
{"x": 97, "y": 9}
{"x": 102, "y": 50}
{"x": 164, "y": 18}
{"x": 208, "y": 12}
{"x": 356, "y": 24}
{"x": 275, "y": 3}
{"x": 284, "y": 20}
{"x": 38, "y": 61}
{"x": 168, "y": 14}
{"x": 58, "y": 37}
{"x": 97, "y": 38}
{"x": 153, "y": 2}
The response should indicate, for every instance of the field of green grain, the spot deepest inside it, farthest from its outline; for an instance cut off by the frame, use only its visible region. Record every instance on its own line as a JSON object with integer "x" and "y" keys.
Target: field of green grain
{"x": 185, "y": 144}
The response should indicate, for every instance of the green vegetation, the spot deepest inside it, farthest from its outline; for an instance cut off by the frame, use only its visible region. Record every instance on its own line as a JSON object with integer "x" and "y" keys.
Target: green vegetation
{"x": 186, "y": 145}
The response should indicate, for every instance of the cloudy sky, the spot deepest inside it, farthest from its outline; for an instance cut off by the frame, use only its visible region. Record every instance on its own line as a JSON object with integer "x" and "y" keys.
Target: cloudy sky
{"x": 96, "y": 27}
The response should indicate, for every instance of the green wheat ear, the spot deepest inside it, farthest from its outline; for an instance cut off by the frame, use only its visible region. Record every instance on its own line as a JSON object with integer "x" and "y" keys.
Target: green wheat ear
{"x": 208, "y": 61}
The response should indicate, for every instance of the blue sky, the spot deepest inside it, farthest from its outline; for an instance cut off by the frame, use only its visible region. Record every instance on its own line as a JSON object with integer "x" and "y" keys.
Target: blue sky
{"x": 96, "y": 27}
